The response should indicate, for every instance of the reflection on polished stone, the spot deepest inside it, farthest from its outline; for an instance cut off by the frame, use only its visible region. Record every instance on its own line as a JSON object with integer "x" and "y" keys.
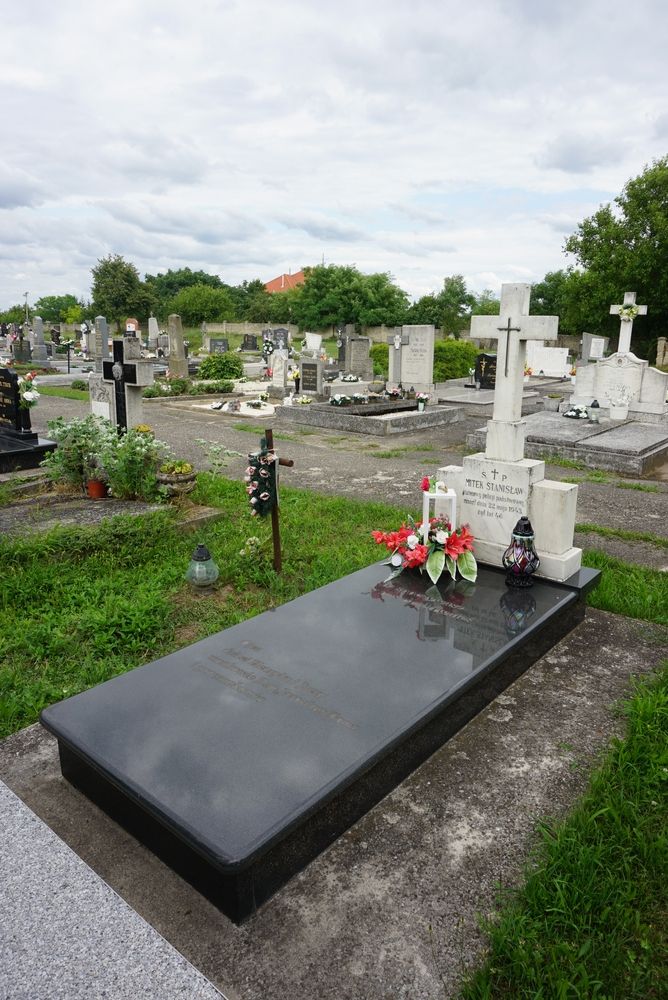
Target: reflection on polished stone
{"x": 246, "y": 753}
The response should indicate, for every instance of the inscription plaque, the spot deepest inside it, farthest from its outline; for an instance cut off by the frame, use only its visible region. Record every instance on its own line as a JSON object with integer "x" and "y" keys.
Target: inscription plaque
{"x": 309, "y": 376}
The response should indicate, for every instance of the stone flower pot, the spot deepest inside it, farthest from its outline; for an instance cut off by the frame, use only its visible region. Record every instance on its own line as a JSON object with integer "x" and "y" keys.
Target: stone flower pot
{"x": 177, "y": 483}
{"x": 552, "y": 403}
{"x": 619, "y": 412}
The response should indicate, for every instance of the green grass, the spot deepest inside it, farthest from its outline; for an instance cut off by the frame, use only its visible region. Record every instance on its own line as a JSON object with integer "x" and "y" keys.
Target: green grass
{"x": 57, "y": 390}
{"x": 550, "y": 458}
{"x": 405, "y": 451}
{"x": 257, "y": 430}
{"x": 590, "y": 919}
{"x": 628, "y": 536}
{"x": 80, "y": 605}
{"x": 641, "y": 487}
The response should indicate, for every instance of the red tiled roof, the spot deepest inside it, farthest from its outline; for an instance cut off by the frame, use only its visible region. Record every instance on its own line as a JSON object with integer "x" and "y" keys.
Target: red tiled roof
{"x": 284, "y": 282}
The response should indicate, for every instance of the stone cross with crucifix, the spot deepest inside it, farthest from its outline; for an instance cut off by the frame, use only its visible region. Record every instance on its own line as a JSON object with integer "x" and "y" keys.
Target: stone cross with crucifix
{"x": 128, "y": 374}
{"x": 627, "y": 313}
{"x": 513, "y": 327}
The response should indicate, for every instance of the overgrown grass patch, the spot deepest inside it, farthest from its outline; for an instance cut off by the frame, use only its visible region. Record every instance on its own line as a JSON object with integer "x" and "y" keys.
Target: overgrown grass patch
{"x": 81, "y": 605}
{"x": 590, "y": 919}
{"x": 630, "y": 536}
{"x": 630, "y": 590}
{"x": 62, "y": 391}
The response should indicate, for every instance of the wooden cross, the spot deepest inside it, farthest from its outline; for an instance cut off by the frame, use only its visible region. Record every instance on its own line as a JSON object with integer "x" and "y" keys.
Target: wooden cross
{"x": 275, "y": 529}
{"x": 626, "y": 322}
{"x": 512, "y": 328}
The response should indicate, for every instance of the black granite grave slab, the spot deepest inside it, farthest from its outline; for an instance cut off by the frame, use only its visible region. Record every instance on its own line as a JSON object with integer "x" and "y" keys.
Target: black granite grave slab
{"x": 239, "y": 758}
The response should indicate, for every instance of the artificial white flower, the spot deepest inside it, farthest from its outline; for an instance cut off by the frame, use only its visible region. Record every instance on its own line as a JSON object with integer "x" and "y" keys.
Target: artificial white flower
{"x": 412, "y": 541}
{"x": 441, "y": 537}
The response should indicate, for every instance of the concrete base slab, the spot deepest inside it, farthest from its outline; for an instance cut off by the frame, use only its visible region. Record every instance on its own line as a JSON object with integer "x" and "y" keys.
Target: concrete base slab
{"x": 629, "y": 447}
{"x": 337, "y": 418}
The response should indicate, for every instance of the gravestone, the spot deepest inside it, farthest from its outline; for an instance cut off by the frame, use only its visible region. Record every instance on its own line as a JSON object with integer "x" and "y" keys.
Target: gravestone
{"x": 21, "y": 349}
{"x": 218, "y": 345}
{"x": 485, "y": 371}
{"x": 313, "y": 344}
{"x": 39, "y": 354}
{"x": 163, "y": 345}
{"x": 356, "y": 358}
{"x": 626, "y": 312}
{"x": 101, "y": 342}
{"x": 249, "y": 343}
{"x": 281, "y": 338}
{"x": 279, "y": 369}
{"x": 411, "y": 360}
{"x": 101, "y": 395}
{"x": 498, "y": 486}
{"x": 549, "y": 361}
{"x": 132, "y": 327}
{"x": 20, "y": 446}
{"x": 240, "y": 758}
{"x": 310, "y": 375}
{"x": 153, "y": 334}
{"x": 593, "y": 347}
{"x": 178, "y": 363}
{"x": 128, "y": 375}
{"x": 623, "y": 377}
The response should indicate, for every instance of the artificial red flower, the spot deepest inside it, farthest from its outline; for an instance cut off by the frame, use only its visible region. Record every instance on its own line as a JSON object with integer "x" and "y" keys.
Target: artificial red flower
{"x": 415, "y": 557}
{"x": 425, "y": 484}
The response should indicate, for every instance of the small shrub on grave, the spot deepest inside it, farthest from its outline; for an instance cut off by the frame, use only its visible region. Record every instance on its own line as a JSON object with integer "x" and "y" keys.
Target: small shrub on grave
{"x": 211, "y": 388}
{"x": 221, "y": 366}
{"x": 453, "y": 359}
{"x": 80, "y": 442}
{"x": 177, "y": 386}
{"x": 131, "y": 463}
{"x": 79, "y": 384}
{"x": 380, "y": 355}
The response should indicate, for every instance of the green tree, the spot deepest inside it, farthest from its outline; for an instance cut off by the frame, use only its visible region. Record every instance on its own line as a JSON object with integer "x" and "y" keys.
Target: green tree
{"x": 73, "y": 314}
{"x": 202, "y": 303}
{"x": 449, "y": 310}
{"x": 625, "y": 248}
{"x": 15, "y": 314}
{"x": 166, "y": 286}
{"x": 118, "y": 291}
{"x": 381, "y": 301}
{"x": 53, "y": 308}
{"x": 486, "y": 304}
{"x": 330, "y": 295}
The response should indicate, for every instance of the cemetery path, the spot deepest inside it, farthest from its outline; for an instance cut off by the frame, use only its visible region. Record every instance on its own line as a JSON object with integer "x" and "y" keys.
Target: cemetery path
{"x": 389, "y": 469}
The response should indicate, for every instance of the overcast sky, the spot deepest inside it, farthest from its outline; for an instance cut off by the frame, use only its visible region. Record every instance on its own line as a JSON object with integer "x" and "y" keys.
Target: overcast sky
{"x": 250, "y": 138}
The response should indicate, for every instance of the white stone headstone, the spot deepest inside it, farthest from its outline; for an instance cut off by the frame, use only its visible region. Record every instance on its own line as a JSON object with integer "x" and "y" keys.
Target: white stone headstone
{"x": 627, "y": 312}
{"x": 313, "y": 342}
{"x": 551, "y": 361}
{"x": 178, "y": 363}
{"x": 153, "y": 333}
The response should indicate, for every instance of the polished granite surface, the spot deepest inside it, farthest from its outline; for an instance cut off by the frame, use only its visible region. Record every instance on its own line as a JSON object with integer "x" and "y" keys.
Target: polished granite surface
{"x": 232, "y": 741}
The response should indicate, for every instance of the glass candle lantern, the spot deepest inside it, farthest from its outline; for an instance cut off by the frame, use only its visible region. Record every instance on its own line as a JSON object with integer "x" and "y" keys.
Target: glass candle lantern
{"x": 520, "y": 559}
{"x": 202, "y": 572}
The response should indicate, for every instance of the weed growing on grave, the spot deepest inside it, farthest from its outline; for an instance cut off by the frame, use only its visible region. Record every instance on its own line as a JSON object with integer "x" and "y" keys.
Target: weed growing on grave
{"x": 641, "y": 487}
{"x": 634, "y": 591}
{"x": 629, "y": 536}
{"x": 255, "y": 429}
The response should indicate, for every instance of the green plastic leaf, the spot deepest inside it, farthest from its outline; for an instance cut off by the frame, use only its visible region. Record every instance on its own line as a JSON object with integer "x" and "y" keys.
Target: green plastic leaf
{"x": 435, "y": 564}
{"x": 452, "y": 566}
{"x": 468, "y": 566}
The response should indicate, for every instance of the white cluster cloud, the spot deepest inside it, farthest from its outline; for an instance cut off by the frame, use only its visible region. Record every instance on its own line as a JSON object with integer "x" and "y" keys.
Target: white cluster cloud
{"x": 249, "y": 138}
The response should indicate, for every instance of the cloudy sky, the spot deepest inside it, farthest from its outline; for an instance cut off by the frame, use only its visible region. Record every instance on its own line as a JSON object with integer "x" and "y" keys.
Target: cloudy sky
{"x": 252, "y": 137}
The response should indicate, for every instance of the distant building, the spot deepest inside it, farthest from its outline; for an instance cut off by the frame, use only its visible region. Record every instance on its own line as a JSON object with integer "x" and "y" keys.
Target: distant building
{"x": 285, "y": 282}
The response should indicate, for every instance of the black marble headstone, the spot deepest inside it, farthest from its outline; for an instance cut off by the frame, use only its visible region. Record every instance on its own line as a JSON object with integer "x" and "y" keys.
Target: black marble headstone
{"x": 309, "y": 376}
{"x": 218, "y": 345}
{"x": 485, "y": 370}
{"x": 249, "y": 342}
{"x": 20, "y": 446}
{"x": 239, "y": 758}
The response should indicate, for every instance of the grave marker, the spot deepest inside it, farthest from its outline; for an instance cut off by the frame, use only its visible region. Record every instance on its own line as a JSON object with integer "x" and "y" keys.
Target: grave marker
{"x": 310, "y": 374}
{"x": 178, "y": 363}
{"x": 39, "y": 355}
{"x": 20, "y": 447}
{"x": 153, "y": 334}
{"x": 627, "y": 313}
{"x": 497, "y": 487}
{"x": 128, "y": 375}
{"x": 218, "y": 345}
{"x": 412, "y": 357}
{"x": 101, "y": 342}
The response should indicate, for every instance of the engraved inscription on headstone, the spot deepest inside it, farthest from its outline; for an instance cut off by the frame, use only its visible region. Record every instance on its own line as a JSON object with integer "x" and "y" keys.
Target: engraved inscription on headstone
{"x": 311, "y": 378}
{"x": 485, "y": 370}
{"x": 9, "y": 400}
{"x": 218, "y": 345}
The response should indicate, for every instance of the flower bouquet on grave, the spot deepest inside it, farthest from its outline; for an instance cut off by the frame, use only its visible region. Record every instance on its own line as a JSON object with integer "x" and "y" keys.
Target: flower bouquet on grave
{"x": 28, "y": 394}
{"x": 431, "y": 548}
{"x": 340, "y": 399}
{"x": 627, "y": 313}
{"x": 260, "y": 481}
{"x": 528, "y": 371}
{"x": 350, "y": 378}
{"x": 577, "y": 412}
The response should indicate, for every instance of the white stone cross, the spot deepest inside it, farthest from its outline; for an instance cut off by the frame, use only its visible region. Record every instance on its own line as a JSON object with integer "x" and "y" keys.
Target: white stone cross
{"x": 512, "y": 327}
{"x": 627, "y": 313}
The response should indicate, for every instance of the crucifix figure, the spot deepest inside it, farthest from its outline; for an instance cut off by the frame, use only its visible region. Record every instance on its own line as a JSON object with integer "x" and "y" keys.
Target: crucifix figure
{"x": 396, "y": 341}
{"x": 129, "y": 375}
{"x": 512, "y": 328}
{"x": 627, "y": 312}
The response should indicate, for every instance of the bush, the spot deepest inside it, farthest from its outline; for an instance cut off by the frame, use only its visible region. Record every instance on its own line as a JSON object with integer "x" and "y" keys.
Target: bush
{"x": 79, "y": 383}
{"x": 131, "y": 463}
{"x": 380, "y": 355}
{"x": 210, "y": 388}
{"x": 223, "y": 366}
{"x": 79, "y": 442}
{"x": 453, "y": 358}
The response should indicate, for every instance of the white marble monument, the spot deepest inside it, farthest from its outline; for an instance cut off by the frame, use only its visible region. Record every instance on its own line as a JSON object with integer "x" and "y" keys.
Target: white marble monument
{"x": 623, "y": 377}
{"x": 498, "y": 486}
{"x": 411, "y": 358}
